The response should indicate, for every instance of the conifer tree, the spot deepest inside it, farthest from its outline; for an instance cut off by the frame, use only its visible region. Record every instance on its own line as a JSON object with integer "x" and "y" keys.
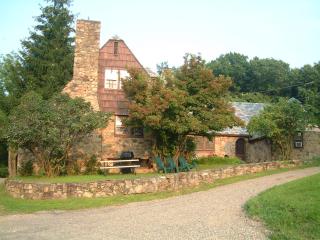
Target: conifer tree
{"x": 47, "y": 54}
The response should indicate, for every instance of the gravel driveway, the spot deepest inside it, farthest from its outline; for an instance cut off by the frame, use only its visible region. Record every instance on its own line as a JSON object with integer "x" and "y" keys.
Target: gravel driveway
{"x": 213, "y": 214}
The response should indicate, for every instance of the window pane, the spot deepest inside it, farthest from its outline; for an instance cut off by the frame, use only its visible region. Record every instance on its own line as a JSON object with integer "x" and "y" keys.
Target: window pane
{"x": 119, "y": 126}
{"x": 111, "y": 74}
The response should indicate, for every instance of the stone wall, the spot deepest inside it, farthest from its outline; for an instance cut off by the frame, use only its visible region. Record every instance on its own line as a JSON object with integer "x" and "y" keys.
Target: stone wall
{"x": 86, "y": 63}
{"x": 113, "y": 145}
{"x": 225, "y": 145}
{"x": 311, "y": 146}
{"x": 169, "y": 182}
{"x": 258, "y": 151}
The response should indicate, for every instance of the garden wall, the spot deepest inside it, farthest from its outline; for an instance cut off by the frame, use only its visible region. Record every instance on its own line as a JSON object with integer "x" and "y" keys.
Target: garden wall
{"x": 169, "y": 182}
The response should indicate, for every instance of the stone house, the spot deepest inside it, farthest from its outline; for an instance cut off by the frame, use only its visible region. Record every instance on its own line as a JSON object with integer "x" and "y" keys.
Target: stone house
{"x": 97, "y": 78}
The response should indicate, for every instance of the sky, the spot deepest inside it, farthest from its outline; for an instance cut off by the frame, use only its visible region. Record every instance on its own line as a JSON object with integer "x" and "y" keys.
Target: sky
{"x": 164, "y": 30}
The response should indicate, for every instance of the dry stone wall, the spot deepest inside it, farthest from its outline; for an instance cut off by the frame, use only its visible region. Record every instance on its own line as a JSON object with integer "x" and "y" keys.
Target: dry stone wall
{"x": 168, "y": 182}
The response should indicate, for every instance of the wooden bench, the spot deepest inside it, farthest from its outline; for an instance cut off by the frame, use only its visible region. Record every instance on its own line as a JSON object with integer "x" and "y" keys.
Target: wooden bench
{"x": 124, "y": 163}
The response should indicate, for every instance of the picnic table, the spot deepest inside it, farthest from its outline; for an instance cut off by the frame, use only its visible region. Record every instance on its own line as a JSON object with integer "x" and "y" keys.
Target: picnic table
{"x": 131, "y": 164}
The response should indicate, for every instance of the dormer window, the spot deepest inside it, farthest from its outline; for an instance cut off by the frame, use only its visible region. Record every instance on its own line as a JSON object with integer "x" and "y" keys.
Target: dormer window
{"x": 116, "y": 48}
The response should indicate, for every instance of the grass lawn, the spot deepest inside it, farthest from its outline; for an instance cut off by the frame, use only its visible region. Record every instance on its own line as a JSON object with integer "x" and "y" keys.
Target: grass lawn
{"x": 290, "y": 211}
{"x": 202, "y": 164}
{"x": 83, "y": 178}
{"x": 217, "y": 162}
{"x": 9, "y": 205}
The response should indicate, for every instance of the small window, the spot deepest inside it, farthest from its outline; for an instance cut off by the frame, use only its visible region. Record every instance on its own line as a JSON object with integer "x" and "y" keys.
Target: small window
{"x": 120, "y": 128}
{"x": 111, "y": 79}
{"x": 115, "y": 48}
{"x": 137, "y": 132}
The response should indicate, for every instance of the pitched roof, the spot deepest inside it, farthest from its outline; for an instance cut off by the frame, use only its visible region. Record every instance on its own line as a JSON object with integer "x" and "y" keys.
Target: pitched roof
{"x": 245, "y": 111}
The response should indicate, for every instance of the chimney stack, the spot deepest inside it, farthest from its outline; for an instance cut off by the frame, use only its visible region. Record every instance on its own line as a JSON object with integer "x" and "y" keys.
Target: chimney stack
{"x": 86, "y": 63}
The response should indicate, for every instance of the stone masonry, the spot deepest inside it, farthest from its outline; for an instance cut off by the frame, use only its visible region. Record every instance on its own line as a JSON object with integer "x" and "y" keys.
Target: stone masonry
{"x": 104, "y": 188}
{"x": 86, "y": 63}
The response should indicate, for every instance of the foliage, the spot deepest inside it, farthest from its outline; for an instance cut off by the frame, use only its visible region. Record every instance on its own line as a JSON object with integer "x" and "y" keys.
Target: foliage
{"x": 189, "y": 148}
{"x": 234, "y": 65}
{"x": 290, "y": 211}
{"x": 47, "y": 55}
{"x": 254, "y": 97}
{"x": 187, "y": 100}
{"x": 269, "y": 76}
{"x": 4, "y": 172}
{"x": 92, "y": 165}
{"x": 280, "y": 122}
{"x": 50, "y": 128}
{"x": 3, "y": 124}
{"x": 45, "y": 63}
{"x": 26, "y": 168}
{"x": 309, "y": 92}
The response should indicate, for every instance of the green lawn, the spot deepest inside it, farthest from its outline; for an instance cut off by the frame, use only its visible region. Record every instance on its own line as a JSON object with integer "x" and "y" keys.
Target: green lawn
{"x": 202, "y": 163}
{"x": 9, "y": 205}
{"x": 290, "y": 211}
{"x": 83, "y": 178}
{"x": 217, "y": 162}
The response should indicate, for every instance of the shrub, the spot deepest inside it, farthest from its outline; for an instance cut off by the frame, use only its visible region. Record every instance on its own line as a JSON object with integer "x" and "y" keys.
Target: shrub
{"x": 92, "y": 165}
{"x": 4, "y": 172}
{"x": 26, "y": 168}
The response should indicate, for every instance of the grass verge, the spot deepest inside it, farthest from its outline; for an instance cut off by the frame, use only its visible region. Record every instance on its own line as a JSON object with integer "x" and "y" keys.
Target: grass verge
{"x": 83, "y": 178}
{"x": 290, "y": 211}
{"x": 10, "y": 205}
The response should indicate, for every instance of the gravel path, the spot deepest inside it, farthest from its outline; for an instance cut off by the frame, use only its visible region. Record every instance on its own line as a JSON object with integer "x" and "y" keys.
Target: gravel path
{"x": 213, "y": 214}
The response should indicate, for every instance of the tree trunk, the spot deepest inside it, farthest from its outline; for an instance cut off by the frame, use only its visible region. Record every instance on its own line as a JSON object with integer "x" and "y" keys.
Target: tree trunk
{"x": 12, "y": 161}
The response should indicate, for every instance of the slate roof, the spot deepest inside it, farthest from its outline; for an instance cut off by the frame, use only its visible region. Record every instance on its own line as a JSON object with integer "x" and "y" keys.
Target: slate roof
{"x": 244, "y": 111}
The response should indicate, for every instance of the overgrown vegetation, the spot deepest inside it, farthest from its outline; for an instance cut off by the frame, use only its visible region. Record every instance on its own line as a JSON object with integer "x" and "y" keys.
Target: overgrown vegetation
{"x": 183, "y": 101}
{"x": 290, "y": 211}
{"x": 280, "y": 122}
{"x": 44, "y": 64}
{"x": 50, "y": 128}
{"x": 4, "y": 172}
{"x": 268, "y": 80}
{"x": 26, "y": 168}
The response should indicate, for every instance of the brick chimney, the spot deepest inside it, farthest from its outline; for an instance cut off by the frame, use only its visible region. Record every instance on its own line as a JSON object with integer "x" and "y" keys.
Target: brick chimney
{"x": 86, "y": 63}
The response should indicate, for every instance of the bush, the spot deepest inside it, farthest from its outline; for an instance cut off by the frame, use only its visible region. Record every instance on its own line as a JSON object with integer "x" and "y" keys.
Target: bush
{"x": 4, "y": 172}
{"x": 26, "y": 168}
{"x": 92, "y": 165}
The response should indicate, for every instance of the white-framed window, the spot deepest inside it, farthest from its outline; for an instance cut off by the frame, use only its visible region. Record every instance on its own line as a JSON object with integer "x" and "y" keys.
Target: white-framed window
{"x": 111, "y": 78}
{"x": 114, "y": 77}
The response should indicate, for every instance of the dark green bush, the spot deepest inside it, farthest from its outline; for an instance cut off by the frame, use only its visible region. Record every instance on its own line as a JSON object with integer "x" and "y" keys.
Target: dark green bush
{"x": 4, "y": 172}
{"x": 26, "y": 168}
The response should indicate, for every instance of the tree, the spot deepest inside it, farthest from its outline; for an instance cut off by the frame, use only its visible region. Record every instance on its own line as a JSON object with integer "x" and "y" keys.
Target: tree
{"x": 50, "y": 128}
{"x": 279, "y": 123}
{"x": 45, "y": 62}
{"x": 233, "y": 65}
{"x": 307, "y": 90}
{"x": 47, "y": 55}
{"x": 189, "y": 100}
{"x": 269, "y": 76}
